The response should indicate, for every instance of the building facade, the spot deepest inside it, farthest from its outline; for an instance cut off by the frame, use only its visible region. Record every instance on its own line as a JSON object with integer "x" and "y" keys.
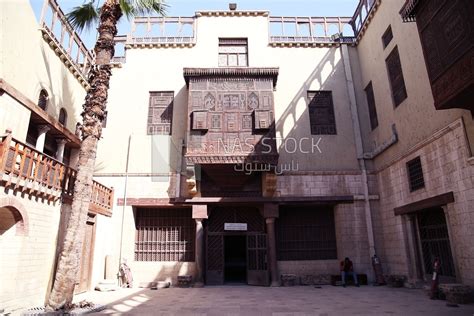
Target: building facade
{"x": 260, "y": 146}
{"x": 243, "y": 146}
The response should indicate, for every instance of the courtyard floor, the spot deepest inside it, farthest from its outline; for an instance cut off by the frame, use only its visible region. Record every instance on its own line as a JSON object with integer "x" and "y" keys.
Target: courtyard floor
{"x": 248, "y": 300}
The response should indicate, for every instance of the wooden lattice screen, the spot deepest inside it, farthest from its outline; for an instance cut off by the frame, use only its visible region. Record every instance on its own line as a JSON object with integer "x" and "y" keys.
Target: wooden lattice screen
{"x": 306, "y": 233}
{"x": 164, "y": 235}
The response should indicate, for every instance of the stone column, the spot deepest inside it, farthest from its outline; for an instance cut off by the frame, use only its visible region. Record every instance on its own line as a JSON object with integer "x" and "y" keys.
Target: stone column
{"x": 199, "y": 215}
{"x": 270, "y": 212}
{"x": 42, "y": 130}
{"x": 60, "y": 151}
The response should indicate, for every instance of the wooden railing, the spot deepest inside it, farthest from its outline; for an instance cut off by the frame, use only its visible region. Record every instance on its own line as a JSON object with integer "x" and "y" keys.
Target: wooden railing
{"x": 24, "y": 168}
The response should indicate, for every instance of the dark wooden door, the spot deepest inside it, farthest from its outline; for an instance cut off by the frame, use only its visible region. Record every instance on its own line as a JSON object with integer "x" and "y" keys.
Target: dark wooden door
{"x": 257, "y": 267}
{"x": 215, "y": 259}
{"x": 434, "y": 240}
{"x": 86, "y": 257}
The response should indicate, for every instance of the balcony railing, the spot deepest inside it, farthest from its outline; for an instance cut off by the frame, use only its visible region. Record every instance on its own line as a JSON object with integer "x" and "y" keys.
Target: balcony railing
{"x": 25, "y": 169}
{"x": 62, "y": 38}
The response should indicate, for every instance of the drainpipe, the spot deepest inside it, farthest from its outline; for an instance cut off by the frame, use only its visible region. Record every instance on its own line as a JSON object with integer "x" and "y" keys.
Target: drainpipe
{"x": 359, "y": 147}
{"x": 124, "y": 203}
{"x": 179, "y": 168}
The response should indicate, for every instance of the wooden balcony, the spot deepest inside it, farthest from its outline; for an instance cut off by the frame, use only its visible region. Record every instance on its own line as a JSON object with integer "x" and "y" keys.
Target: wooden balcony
{"x": 26, "y": 170}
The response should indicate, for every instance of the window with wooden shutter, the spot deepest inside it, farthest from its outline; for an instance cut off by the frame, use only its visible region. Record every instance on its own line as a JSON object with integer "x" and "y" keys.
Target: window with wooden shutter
{"x": 160, "y": 113}
{"x": 395, "y": 75}
{"x": 306, "y": 233}
{"x": 199, "y": 120}
{"x": 321, "y": 113}
{"x": 233, "y": 52}
{"x": 164, "y": 234}
{"x": 387, "y": 37}
{"x": 369, "y": 92}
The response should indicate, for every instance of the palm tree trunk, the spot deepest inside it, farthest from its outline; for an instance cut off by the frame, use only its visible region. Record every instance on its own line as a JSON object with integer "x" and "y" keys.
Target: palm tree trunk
{"x": 68, "y": 266}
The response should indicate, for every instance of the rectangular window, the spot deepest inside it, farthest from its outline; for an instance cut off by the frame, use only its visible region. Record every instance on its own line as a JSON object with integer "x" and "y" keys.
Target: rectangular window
{"x": 233, "y": 52}
{"x": 306, "y": 233}
{"x": 321, "y": 113}
{"x": 415, "y": 174}
{"x": 164, "y": 235}
{"x": 395, "y": 75}
{"x": 387, "y": 36}
{"x": 160, "y": 113}
{"x": 369, "y": 92}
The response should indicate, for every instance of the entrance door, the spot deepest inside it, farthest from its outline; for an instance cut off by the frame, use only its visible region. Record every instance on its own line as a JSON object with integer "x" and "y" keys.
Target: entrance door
{"x": 257, "y": 268}
{"x": 215, "y": 259}
{"x": 235, "y": 259}
{"x": 86, "y": 257}
{"x": 434, "y": 241}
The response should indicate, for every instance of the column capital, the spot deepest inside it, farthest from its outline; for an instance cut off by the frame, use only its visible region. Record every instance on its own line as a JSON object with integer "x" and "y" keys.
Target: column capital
{"x": 199, "y": 219}
{"x": 200, "y": 211}
{"x": 61, "y": 141}
{"x": 42, "y": 129}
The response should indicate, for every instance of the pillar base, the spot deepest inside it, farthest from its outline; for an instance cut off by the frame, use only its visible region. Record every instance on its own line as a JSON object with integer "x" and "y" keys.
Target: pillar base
{"x": 275, "y": 284}
{"x": 198, "y": 284}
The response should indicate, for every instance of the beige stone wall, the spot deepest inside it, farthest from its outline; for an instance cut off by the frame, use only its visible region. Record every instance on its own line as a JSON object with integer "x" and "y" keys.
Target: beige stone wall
{"x": 27, "y": 259}
{"x": 416, "y": 118}
{"x": 445, "y": 168}
{"x": 29, "y": 65}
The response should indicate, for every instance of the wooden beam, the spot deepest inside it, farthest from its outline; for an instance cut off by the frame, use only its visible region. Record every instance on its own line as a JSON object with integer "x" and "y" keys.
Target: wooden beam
{"x": 30, "y": 105}
{"x": 431, "y": 202}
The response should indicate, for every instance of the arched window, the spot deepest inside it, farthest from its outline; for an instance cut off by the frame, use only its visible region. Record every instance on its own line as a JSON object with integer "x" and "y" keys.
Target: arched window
{"x": 43, "y": 99}
{"x": 62, "y": 116}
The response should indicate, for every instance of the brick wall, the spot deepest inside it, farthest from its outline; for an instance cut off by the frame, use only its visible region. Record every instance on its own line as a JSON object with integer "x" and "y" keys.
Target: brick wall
{"x": 444, "y": 159}
{"x": 26, "y": 260}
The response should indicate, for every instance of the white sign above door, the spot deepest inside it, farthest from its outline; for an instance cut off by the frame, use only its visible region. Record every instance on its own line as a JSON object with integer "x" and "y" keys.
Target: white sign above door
{"x": 235, "y": 226}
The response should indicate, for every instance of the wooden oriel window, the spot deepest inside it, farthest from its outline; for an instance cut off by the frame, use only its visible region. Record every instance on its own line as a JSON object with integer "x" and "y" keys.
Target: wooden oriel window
{"x": 233, "y": 52}
{"x": 387, "y": 36}
{"x": 160, "y": 113}
{"x": 166, "y": 234}
{"x": 321, "y": 113}
{"x": 395, "y": 75}
{"x": 369, "y": 92}
{"x": 415, "y": 174}
{"x": 306, "y": 233}
{"x": 43, "y": 99}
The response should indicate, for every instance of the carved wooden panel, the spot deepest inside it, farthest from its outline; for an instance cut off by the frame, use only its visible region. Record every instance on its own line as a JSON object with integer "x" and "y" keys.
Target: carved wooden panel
{"x": 321, "y": 113}
{"x": 160, "y": 113}
{"x": 263, "y": 119}
{"x": 199, "y": 120}
{"x": 446, "y": 29}
{"x": 395, "y": 75}
{"x": 239, "y": 116}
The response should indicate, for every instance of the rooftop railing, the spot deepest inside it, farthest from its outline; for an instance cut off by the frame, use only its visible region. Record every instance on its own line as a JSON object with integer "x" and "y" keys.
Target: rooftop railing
{"x": 26, "y": 169}
{"x": 310, "y": 29}
{"x": 62, "y": 38}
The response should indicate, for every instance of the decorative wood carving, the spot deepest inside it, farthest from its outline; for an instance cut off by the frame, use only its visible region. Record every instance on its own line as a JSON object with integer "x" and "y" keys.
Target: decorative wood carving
{"x": 446, "y": 30}
{"x": 160, "y": 113}
{"x": 238, "y": 107}
{"x": 321, "y": 113}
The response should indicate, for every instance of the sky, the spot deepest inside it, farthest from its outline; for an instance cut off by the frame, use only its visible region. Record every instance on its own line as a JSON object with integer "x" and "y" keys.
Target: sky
{"x": 189, "y": 7}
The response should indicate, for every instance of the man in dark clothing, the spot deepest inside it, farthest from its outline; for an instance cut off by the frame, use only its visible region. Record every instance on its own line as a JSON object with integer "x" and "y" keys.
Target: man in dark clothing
{"x": 348, "y": 269}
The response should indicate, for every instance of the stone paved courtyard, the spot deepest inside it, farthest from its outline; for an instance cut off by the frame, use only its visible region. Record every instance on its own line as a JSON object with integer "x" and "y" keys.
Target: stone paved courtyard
{"x": 248, "y": 300}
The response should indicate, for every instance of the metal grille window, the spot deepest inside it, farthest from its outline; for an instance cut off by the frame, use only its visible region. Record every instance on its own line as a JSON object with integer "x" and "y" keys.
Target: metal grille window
{"x": 415, "y": 174}
{"x": 160, "y": 113}
{"x": 164, "y": 235}
{"x": 321, "y": 113}
{"x": 306, "y": 233}
{"x": 387, "y": 36}
{"x": 233, "y": 52}
{"x": 395, "y": 75}
{"x": 369, "y": 92}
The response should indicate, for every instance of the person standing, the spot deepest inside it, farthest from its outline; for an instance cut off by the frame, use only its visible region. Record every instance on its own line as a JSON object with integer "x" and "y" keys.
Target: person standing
{"x": 347, "y": 269}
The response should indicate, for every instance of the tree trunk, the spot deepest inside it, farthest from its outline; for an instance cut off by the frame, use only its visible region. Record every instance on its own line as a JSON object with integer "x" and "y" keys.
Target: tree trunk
{"x": 68, "y": 266}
